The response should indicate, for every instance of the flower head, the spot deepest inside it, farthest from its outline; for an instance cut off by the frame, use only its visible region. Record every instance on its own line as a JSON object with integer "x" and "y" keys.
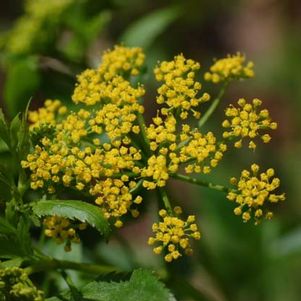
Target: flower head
{"x": 247, "y": 121}
{"x": 173, "y": 234}
{"x": 110, "y": 81}
{"x": 62, "y": 230}
{"x": 231, "y": 67}
{"x": 16, "y": 285}
{"x": 254, "y": 193}
{"x": 179, "y": 90}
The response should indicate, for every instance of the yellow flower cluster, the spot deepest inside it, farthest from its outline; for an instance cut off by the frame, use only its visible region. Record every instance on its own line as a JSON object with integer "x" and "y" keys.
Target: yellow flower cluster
{"x": 157, "y": 170}
{"x": 62, "y": 230}
{"x": 105, "y": 150}
{"x": 246, "y": 120}
{"x": 92, "y": 88}
{"x": 29, "y": 29}
{"x": 122, "y": 60}
{"x": 254, "y": 191}
{"x": 231, "y": 67}
{"x": 179, "y": 90}
{"x": 47, "y": 114}
{"x": 16, "y": 285}
{"x": 116, "y": 121}
{"x": 91, "y": 150}
{"x": 115, "y": 198}
{"x": 111, "y": 79}
{"x": 199, "y": 148}
{"x": 55, "y": 163}
{"x": 190, "y": 148}
{"x": 173, "y": 234}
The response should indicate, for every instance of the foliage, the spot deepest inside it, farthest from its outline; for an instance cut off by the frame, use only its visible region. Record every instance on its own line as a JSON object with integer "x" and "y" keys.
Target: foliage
{"x": 142, "y": 285}
{"x": 52, "y": 36}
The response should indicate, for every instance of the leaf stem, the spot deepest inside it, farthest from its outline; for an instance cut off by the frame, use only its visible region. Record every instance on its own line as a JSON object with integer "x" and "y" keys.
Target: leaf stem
{"x": 142, "y": 126}
{"x": 213, "y": 105}
{"x": 201, "y": 183}
{"x": 164, "y": 197}
{"x": 54, "y": 264}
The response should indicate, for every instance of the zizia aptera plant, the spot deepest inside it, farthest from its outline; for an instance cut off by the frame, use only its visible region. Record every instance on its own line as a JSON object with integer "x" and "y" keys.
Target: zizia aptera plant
{"x": 102, "y": 152}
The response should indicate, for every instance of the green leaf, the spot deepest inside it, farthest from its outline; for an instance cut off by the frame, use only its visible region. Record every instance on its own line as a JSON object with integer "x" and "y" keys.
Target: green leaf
{"x": 6, "y": 227}
{"x": 144, "y": 31}
{"x": 15, "y": 262}
{"x": 84, "y": 30}
{"x": 142, "y": 286}
{"x": 9, "y": 247}
{"x": 4, "y": 179}
{"x": 19, "y": 136}
{"x": 15, "y": 241}
{"x": 4, "y": 133}
{"x": 23, "y": 235}
{"x": 81, "y": 211}
{"x": 14, "y": 131}
{"x": 21, "y": 83}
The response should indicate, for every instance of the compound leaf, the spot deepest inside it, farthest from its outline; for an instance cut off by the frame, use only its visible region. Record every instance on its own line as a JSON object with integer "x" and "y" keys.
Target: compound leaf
{"x": 142, "y": 286}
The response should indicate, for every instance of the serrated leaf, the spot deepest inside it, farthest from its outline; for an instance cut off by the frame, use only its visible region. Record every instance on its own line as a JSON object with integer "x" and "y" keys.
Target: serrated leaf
{"x": 78, "y": 210}
{"x": 143, "y": 32}
{"x": 142, "y": 286}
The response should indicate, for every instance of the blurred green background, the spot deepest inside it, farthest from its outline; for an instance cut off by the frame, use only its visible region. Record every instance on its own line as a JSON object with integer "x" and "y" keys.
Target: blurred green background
{"x": 45, "y": 45}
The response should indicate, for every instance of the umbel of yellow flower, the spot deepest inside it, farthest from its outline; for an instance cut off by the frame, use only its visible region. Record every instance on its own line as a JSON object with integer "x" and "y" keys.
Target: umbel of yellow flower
{"x": 179, "y": 90}
{"x": 103, "y": 148}
{"x": 247, "y": 121}
{"x": 62, "y": 230}
{"x": 111, "y": 79}
{"x": 254, "y": 192}
{"x": 231, "y": 67}
{"x": 16, "y": 285}
{"x": 47, "y": 114}
{"x": 173, "y": 234}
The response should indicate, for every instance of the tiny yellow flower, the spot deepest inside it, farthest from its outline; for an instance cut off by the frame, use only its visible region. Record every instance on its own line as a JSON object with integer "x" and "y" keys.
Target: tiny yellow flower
{"x": 253, "y": 192}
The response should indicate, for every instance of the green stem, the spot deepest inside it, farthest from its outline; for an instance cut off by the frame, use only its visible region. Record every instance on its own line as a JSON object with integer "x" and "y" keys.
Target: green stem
{"x": 54, "y": 264}
{"x": 164, "y": 197}
{"x": 142, "y": 126}
{"x": 137, "y": 187}
{"x": 201, "y": 183}
{"x": 73, "y": 289}
{"x": 214, "y": 105}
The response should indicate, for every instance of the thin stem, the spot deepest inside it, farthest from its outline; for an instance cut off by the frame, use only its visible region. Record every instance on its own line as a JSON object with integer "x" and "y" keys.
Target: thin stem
{"x": 214, "y": 105}
{"x": 164, "y": 197}
{"x": 137, "y": 187}
{"x": 73, "y": 289}
{"x": 142, "y": 126}
{"x": 54, "y": 264}
{"x": 201, "y": 183}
